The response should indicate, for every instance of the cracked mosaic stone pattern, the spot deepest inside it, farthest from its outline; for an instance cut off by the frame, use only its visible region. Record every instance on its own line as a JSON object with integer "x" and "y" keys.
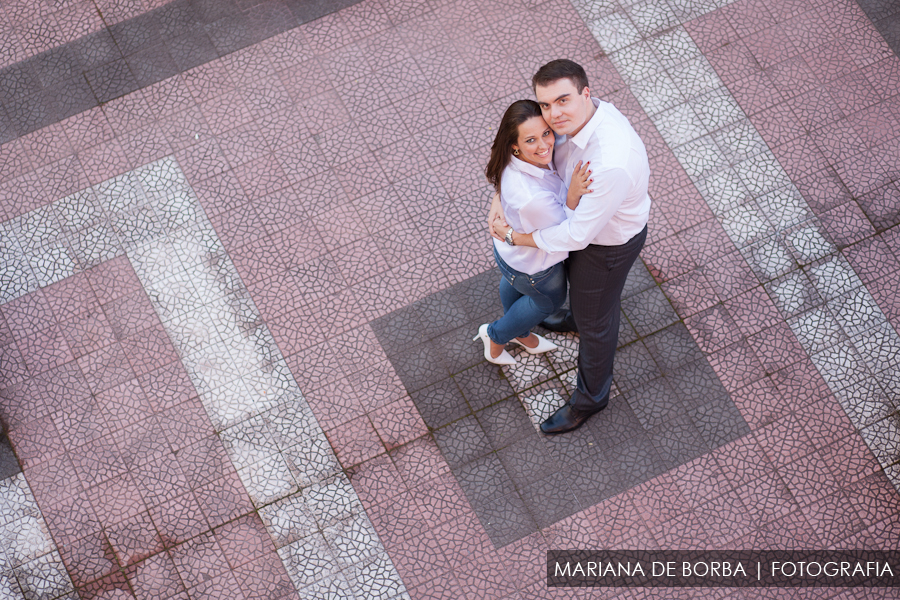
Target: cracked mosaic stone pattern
{"x": 30, "y": 564}
{"x": 485, "y": 419}
{"x": 789, "y": 248}
{"x": 60, "y": 59}
{"x": 268, "y": 431}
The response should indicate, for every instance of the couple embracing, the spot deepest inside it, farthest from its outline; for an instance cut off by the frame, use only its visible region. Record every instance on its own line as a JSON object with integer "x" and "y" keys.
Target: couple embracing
{"x": 545, "y": 231}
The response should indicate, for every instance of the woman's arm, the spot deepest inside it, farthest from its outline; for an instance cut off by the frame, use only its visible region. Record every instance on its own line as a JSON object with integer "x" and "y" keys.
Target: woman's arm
{"x": 500, "y": 228}
{"x": 495, "y": 213}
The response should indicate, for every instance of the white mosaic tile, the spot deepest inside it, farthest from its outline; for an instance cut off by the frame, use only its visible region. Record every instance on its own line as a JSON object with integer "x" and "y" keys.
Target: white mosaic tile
{"x": 614, "y": 31}
{"x": 833, "y": 277}
{"x": 817, "y": 330}
{"x": 657, "y": 93}
{"x": 695, "y": 77}
{"x": 701, "y": 158}
{"x": 717, "y": 109}
{"x": 54, "y": 262}
{"x": 637, "y": 63}
{"x": 529, "y": 370}
{"x": 542, "y": 401}
{"x": 865, "y": 402}
{"x": 736, "y": 137}
{"x": 268, "y": 480}
{"x": 784, "y": 207}
{"x": 288, "y": 520}
{"x": 806, "y": 242}
{"x": 650, "y": 17}
{"x": 679, "y": 125}
{"x": 723, "y": 191}
{"x": 30, "y": 566}
{"x": 857, "y": 312}
{"x": 746, "y": 224}
{"x": 673, "y": 48}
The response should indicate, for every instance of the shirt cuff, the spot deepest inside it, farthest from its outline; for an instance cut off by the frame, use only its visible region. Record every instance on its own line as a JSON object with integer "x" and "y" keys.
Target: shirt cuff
{"x": 569, "y": 211}
{"x": 538, "y": 240}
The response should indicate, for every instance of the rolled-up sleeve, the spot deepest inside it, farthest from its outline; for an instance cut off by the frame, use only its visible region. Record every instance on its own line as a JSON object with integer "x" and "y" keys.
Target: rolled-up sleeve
{"x": 590, "y": 217}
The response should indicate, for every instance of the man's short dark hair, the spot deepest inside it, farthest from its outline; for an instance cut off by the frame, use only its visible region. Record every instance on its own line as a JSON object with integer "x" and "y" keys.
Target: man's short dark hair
{"x": 555, "y": 70}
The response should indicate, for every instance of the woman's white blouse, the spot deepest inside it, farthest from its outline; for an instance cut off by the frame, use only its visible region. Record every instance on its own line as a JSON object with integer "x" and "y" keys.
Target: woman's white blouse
{"x": 532, "y": 199}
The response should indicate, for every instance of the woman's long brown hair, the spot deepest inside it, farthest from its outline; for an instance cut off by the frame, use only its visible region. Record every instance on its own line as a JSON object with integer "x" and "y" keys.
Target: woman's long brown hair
{"x": 507, "y": 135}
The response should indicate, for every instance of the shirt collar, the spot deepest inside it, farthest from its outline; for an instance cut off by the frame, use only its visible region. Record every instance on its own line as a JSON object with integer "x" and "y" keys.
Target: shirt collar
{"x": 581, "y": 138}
{"x": 530, "y": 169}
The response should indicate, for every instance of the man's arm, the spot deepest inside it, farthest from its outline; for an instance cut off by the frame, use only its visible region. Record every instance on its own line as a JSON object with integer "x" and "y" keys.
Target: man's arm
{"x": 610, "y": 189}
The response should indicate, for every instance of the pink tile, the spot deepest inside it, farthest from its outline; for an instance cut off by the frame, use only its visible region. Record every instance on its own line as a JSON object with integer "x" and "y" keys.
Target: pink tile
{"x": 36, "y": 442}
{"x": 178, "y": 519}
{"x": 134, "y": 539}
{"x": 711, "y": 30}
{"x": 397, "y": 519}
{"x": 420, "y": 459}
{"x": 202, "y": 161}
{"x": 778, "y": 125}
{"x": 199, "y": 560}
{"x": 155, "y": 578}
{"x": 70, "y": 518}
{"x": 462, "y": 539}
{"x": 712, "y": 329}
{"x": 776, "y": 347}
{"x": 793, "y": 78}
{"x": 767, "y": 499}
{"x": 760, "y": 403}
{"x": 484, "y": 575}
{"x": 736, "y": 365}
{"x": 124, "y": 404}
{"x": 807, "y": 481}
{"x": 29, "y": 313}
{"x": 185, "y": 424}
{"x": 784, "y": 440}
{"x": 14, "y": 160}
{"x": 223, "y": 500}
{"x": 355, "y": 441}
{"x": 376, "y": 480}
{"x": 145, "y": 144}
{"x": 658, "y": 500}
{"x": 440, "y": 499}
{"x": 168, "y": 96}
{"x": 398, "y": 423}
{"x": 800, "y": 157}
{"x": 419, "y": 559}
{"x": 690, "y": 293}
{"x": 264, "y": 578}
{"x": 46, "y": 349}
{"x": 117, "y": 499}
{"x": 185, "y": 128}
{"x": 884, "y": 75}
{"x": 105, "y": 160}
{"x": 849, "y": 460}
{"x": 167, "y": 386}
{"x": 128, "y": 112}
{"x": 801, "y": 383}
{"x": 244, "y": 540}
{"x": 88, "y": 559}
{"x": 149, "y": 349}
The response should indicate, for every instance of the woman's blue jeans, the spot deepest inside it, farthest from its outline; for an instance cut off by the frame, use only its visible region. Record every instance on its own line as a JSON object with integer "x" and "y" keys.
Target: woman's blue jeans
{"x": 527, "y": 299}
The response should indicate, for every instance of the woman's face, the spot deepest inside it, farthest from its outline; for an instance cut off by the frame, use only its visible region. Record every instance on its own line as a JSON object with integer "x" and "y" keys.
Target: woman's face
{"x": 535, "y": 143}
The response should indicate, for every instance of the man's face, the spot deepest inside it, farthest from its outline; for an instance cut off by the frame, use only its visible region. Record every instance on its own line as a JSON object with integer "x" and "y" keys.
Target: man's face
{"x": 564, "y": 109}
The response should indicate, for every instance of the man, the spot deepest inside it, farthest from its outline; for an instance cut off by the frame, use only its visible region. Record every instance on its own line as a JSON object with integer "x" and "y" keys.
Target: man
{"x": 603, "y": 235}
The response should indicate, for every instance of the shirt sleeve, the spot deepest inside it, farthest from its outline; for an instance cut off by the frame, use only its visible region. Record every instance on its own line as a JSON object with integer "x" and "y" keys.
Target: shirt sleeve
{"x": 590, "y": 217}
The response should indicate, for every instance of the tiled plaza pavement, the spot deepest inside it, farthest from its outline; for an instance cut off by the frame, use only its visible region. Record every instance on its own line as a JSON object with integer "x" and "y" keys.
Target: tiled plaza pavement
{"x": 243, "y": 257}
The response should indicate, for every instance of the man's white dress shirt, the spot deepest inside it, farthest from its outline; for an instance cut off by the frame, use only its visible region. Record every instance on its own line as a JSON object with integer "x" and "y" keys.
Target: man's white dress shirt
{"x": 532, "y": 198}
{"x": 618, "y": 207}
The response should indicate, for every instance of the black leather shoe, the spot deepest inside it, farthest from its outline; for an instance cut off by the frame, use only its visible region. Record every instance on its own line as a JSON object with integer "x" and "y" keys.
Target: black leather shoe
{"x": 561, "y": 321}
{"x": 567, "y": 418}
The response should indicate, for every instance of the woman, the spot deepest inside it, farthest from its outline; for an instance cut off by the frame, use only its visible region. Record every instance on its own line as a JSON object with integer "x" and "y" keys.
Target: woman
{"x": 532, "y": 194}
